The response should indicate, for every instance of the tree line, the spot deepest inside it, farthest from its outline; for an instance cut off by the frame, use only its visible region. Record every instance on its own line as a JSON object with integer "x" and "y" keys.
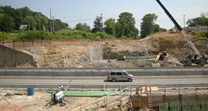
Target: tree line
{"x": 11, "y": 19}
{"x": 124, "y": 26}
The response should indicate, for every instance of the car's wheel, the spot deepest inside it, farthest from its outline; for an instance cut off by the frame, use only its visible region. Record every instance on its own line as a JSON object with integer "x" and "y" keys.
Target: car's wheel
{"x": 130, "y": 80}
{"x": 202, "y": 62}
{"x": 113, "y": 80}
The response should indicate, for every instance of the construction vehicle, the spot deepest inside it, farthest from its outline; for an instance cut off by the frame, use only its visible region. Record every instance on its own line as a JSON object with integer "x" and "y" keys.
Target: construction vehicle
{"x": 161, "y": 56}
{"x": 196, "y": 58}
{"x": 56, "y": 97}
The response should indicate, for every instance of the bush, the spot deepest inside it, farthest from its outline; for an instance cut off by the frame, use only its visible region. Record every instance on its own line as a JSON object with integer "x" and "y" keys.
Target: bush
{"x": 65, "y": 35}
{"x": 103, "y": 35}
{"x": 33, "y": 35}
{"x": 201, "y": 35}
{"x": 3, "y": 36}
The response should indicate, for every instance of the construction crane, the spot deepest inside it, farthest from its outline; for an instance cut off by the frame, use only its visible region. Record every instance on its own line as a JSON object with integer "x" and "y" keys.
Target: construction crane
{"x": 196, "y": 58}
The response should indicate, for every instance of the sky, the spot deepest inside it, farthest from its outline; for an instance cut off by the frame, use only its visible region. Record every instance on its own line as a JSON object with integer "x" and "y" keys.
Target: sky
{"x": 85, "y": 11}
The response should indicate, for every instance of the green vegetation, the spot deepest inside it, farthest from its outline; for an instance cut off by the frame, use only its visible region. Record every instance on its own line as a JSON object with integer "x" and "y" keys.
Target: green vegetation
{"x": 8, "y": 36}
{"x": 65, "y": 34}
{"x": 98, "y": 24}
{"x": 148, "y": 25}
{"x": 124, "y": 27}
{"x": 83, "y": 27}
{"x": 201, "y": 35}
{"x": 38, "y": 26}
{"x": 199, "y": 21}
{"x": 11, "y": 19}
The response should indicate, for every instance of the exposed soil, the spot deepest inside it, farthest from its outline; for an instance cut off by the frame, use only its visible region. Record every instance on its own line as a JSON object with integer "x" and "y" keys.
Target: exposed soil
{"x": 92, "y": 54}
{"x": 38, "y": 102}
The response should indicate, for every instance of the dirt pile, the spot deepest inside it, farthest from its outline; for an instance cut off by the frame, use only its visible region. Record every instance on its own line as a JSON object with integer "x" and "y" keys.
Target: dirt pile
{"x": 174, "y": 43}
{"x": 88, "y": 54}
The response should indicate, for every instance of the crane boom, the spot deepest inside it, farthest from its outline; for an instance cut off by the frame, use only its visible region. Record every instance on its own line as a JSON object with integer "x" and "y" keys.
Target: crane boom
{"x": 180, "y": 29}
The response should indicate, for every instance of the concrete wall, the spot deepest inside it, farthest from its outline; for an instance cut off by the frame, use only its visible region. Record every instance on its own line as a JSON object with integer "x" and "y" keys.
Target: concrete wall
{"x": 102, "y": 72}
{"x": 96, "y": 52}
{"x": 10, "y": 57}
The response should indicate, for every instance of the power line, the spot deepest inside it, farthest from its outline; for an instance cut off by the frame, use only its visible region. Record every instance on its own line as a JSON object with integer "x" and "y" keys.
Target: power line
{"x": 80, "y": 20}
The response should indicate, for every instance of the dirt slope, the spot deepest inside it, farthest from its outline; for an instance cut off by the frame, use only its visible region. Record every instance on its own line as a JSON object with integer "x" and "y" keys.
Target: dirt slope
{"x": 89, "y": 54}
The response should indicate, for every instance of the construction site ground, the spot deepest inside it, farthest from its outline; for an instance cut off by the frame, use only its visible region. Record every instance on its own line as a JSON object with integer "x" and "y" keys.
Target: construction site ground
{"x": 38, "y": 102}
{"x": 10, "y": 99}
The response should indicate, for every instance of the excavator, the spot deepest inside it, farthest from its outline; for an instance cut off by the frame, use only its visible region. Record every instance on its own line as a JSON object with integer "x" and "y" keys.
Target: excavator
{"x": 161, "y": 56}
{"x": 196, "y": 58}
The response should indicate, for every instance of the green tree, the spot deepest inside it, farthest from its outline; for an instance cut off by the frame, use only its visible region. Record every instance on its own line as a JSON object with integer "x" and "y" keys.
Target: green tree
{"x": 1, "y": 15}
{"x": 199, "y": 21}
{"x": 130, "y": 29}
{"x": 83, "y": 27}
{"x": 25, "y": 12}
{"x": 7, "y": 23}
{"x": 3, "y": 36}
{"x": 18, "y": 19}
{"x": 30, "y": 21}
{"x": 41, "y": 20}
{"x": 14, "y": 13}
{"x": 24, "y": 15}
{"x": 110, "y": 26}
{"x": 58, "y": 25}
{"x": 148, "y": 25}
{"x": 98, "y": 25}
{"x": 120, "y": 27}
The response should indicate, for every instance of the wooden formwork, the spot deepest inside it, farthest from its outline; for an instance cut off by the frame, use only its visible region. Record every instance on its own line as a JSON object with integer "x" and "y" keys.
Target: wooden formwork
{"x": 107, "y": 103}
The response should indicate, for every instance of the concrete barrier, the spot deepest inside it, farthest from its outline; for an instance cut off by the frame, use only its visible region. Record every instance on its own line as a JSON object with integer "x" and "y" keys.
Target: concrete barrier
{"x": 11, "y": 58}
{"x": 102, "y": 72}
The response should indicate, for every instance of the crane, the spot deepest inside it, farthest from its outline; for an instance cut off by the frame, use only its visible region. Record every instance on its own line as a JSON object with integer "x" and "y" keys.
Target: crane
{"x": 196, "y": 58}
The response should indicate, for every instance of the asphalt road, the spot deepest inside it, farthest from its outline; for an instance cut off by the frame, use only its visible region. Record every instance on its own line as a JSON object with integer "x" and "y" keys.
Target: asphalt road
{"x": 99, "y": 82}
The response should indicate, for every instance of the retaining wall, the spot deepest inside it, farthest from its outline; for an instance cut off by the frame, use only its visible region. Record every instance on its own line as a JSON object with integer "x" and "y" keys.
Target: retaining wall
{"x": 11, "y": 58}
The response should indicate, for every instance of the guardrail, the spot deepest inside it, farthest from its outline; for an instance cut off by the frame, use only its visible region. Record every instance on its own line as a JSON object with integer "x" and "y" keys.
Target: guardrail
{"x": 102, "y": 72}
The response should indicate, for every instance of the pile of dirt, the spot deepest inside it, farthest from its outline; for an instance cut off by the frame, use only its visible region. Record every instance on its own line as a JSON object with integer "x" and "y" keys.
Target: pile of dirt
{"x": 174, "y": 43}
{"x": 88, "y": 54}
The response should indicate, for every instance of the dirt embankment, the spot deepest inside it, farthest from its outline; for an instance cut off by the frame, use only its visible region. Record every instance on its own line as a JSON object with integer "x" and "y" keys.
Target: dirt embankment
{"x": 88, "y": 54}
{"x": 176, "y": 45}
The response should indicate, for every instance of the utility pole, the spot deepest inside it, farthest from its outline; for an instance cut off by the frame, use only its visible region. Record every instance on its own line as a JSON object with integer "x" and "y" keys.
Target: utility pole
{"x": 102, "y": 22}
{"x": 184, "y": 20}
{"x": 102, "y": 17}
{"x": 50, "y": 21}
{"x": 53, "y": 24}
{"x": 29, "y": 25}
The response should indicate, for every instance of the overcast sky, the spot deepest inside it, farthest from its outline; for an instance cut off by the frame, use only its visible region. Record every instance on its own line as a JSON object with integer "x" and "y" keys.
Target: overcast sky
{"x": 85, "y": 11}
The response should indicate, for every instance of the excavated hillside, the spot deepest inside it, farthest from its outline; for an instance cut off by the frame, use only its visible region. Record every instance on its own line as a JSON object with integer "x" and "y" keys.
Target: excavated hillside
{"x": 92, "y": 54}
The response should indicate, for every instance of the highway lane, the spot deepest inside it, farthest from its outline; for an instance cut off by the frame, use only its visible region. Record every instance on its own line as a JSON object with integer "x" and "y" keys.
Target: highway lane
{"x": 97, "y": 82}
